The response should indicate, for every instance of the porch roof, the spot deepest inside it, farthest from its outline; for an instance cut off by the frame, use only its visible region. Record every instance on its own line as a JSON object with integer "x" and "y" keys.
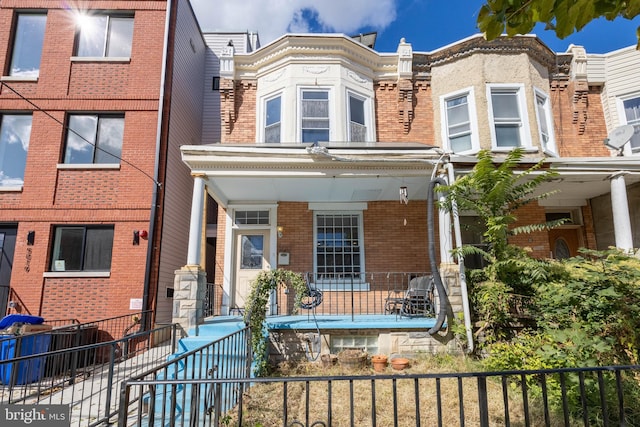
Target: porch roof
{"x": 326, "y": 172}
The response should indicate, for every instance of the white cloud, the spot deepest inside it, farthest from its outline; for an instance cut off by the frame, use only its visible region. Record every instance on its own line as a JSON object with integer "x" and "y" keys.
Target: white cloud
{"x": 273, "y": 18}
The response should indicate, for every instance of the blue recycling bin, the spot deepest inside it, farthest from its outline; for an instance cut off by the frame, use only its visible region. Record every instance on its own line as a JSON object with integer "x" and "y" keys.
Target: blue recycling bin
{"x": 28, "y": 371}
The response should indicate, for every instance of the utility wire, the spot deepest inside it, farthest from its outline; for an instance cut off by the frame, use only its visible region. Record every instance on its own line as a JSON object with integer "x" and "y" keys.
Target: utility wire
{"x": 158, "y": 184}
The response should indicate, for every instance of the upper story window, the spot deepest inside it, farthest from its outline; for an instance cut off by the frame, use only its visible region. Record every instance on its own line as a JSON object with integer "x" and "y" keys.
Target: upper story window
{"x": 82, "y": 248}
{"x": 632, "y": 114}
{"x": 545, "y": 122}
{"x": 459, "y": 128}
{"x": 273, "y": 113}
{"x": 314, "y": 113}
{"x": 507, "y": 114}
{"x": 357, "y": 118}
{"x": 27, "y": 45}
{"x": 94, "y": 139}
{"x": 105, "y": 36}
{"x": 15, "y": 131}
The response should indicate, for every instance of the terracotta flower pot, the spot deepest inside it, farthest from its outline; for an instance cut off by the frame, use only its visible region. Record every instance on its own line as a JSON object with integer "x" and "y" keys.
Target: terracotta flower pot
{"x": 379, "y": 362}
{"x": 399, "y": 363}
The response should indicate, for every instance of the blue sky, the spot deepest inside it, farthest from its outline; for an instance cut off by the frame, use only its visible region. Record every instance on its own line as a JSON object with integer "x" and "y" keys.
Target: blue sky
{"x": 426, "y": 24}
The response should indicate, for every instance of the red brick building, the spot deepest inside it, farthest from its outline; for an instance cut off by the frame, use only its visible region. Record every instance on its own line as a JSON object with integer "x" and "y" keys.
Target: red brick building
{"x": 90, "y": 173}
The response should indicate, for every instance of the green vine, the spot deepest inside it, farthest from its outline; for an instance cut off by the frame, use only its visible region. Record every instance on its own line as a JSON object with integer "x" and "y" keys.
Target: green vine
{"x": 256, "y": 309}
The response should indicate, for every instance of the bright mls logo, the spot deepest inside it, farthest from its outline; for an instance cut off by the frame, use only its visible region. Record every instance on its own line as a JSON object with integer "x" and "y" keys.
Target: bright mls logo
{"x": 34, "y": 415}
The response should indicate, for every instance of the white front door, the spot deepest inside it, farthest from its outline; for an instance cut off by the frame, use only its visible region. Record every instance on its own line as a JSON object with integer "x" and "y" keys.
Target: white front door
{"x": 252, "y": 256}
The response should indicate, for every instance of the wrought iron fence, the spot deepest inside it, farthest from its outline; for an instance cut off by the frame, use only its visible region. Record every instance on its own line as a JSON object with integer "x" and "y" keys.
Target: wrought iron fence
{"x": 606, "y": 396}
{"x": 353, "y": 293}
{"x": 167, "y": 392}
{"x": 85, "y": 377}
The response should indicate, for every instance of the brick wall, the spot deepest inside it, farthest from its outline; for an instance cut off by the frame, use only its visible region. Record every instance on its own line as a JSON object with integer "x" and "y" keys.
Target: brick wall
{"x": 392, "y": 123}
{"x": 53, "y": 196}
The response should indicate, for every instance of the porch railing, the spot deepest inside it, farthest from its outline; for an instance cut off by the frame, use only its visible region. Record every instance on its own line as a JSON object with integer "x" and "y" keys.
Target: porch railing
{"x": 86, "y": 377}
{"x": 167, "y": 390}
{"x": 606, "y": 396}
{"x": 353, "y": 293}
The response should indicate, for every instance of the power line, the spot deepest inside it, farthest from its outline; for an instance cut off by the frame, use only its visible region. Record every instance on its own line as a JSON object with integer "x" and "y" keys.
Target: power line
{"x": 67, "y": 128}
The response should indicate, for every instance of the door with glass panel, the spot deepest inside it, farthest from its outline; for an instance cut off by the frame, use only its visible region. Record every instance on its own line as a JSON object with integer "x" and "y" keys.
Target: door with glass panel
{"x": 7, "y": 246}
{"x": 252, "y": 256}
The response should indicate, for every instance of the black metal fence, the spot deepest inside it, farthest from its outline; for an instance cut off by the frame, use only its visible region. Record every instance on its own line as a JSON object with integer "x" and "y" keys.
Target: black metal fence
{"x": 353, "y": 293}
{"x": 84, "y": 377}
{"x": 607, "y": 396}
{"x": 167, "y": 393}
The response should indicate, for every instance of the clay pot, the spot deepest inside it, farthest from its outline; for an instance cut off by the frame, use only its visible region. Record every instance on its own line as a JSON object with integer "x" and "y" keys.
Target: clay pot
{"x": 379, "y": 362}
{"x": 399, "y": 363}
{"x": 352, "y": 359}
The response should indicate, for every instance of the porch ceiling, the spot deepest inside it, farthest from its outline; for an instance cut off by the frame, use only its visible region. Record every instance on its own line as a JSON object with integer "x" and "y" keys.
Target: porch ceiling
{"x": 236, "y": 174}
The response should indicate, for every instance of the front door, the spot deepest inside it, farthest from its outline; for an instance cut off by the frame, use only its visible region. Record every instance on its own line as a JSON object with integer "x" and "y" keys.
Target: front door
{"x": 252, "y": 256}
{"x": 7, "y": 246}
{"x": 564, "y": 242}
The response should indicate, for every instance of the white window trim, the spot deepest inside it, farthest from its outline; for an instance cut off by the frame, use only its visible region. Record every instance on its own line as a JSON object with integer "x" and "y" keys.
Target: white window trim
{"x": 122, "y": 59}
{"x": 337, "y": 285}
{"x": 262, "y": 115}
{"x": 525, "y": 133}
{"x": 368, "y": 115}
{"x": 330, "y": 100}
{"x": 551, "y": 148}
{"x": 473, "y": 119}
{"x": 622, "y": 118}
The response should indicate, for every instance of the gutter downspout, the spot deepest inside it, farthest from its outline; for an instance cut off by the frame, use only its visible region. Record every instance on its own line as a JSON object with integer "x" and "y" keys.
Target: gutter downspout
{"x": 463, "y": 278}
{"x": 145, "y": 321}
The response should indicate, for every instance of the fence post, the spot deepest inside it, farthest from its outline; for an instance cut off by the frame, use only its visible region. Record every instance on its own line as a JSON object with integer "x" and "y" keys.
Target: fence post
{"x": 483, "y": 405}
{"x": 352, "y": 302}
{"x": 124, "y": 404}
{"x": 112, "y": 363}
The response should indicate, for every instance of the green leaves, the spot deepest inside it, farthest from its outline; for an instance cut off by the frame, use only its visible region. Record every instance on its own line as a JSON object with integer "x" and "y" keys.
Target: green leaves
{"x": 563, "y": 16}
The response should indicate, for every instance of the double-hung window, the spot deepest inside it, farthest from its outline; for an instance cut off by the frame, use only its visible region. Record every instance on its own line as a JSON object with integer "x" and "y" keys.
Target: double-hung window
{"x": 105, "y": 36}
{"x": 459, "y": 124}
{"x": 338, "y": 240}
{"x": 82, "y": 248}
{"x": 273, "y": 114}
{"x": 632, "y": 114}
{"x": 545, "y": 122}
{"x": 27, "y": 45}
{"x": 94, "y": 138}
{"x": 15, "y": 131}
{"x": 357, "y": 118}
{"x": 507, "y": 110}
{"x": 314, "y": 115}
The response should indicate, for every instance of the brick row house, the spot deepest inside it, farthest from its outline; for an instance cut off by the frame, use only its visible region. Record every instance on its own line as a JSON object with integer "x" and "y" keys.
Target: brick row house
{"x": 147, "y": 162}
{"x": 328, "y": 147}
{"x": 95, "y": 100}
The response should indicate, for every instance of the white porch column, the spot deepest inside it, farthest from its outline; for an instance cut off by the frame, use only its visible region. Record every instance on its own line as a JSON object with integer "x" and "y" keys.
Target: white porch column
{"x": 620, "y": 207}
{"x": 195, "y": 227}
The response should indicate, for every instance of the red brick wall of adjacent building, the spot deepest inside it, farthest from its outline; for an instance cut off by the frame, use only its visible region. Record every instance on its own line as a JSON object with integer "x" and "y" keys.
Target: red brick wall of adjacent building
{"x": 57, "y": 196}
{"x": 579, "y": 120}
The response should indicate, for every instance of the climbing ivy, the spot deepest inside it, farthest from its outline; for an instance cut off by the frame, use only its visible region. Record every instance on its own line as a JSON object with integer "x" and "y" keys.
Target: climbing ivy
{"x": 256, "y": 309}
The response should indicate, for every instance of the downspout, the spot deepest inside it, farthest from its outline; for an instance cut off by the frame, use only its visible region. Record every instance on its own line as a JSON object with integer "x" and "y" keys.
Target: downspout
{"x": 145, "y": 321}
{"x": 442, "y": 294}
{"x": 463, "y": 277}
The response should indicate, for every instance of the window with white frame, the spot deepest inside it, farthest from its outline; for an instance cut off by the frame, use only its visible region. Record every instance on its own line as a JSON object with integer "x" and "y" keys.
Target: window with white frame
{"x": 545, "y": 122}
{"x": 338, "y": 241}
{"x": 94, "y": 138}
{"x": 82, "y": 248}
{"x": 15, "y": 132}
{"x": 273, "y": 113}
{"x": 632, "y": 114}
{"x": 314, "y": 115}
{"x": 357, "y": 118}
{"x": 459, "y": 122}
{"x": 507, "y": 113}
{"x": 28, "y": 39}
{"x": 104, "y": 36}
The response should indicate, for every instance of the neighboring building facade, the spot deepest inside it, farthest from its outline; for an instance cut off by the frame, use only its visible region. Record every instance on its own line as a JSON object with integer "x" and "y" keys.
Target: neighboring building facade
{"x": 91, "y": 180}
{"x": 320, "y": 133}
